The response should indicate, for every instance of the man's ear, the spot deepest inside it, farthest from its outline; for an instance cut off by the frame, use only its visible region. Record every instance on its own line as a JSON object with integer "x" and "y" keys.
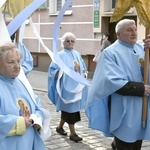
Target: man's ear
{"x": 117, "y": 34}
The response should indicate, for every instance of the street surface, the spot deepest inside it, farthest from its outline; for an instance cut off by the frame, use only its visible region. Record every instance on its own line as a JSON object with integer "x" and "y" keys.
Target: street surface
{"x": 92, "y": 139}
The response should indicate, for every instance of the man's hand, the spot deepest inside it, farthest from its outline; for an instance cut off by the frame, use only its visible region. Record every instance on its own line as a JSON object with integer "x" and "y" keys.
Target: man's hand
{"x": 147, "y": 42}
{"x": 147, "y": 90}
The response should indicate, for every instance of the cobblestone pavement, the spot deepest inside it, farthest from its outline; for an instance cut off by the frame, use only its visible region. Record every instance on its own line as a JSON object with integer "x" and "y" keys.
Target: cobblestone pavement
{"x": 92, "y": 139}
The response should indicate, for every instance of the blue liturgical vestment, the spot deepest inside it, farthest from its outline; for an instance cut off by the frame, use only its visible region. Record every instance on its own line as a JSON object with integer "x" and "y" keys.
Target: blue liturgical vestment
{"x": 27, "y": 60}
{"x": 12, "y": 92}
{"x": 64, "y": 92}
{"x": 118, "y": 64}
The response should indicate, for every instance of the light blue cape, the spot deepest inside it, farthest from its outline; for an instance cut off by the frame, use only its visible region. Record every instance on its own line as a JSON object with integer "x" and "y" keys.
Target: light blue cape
{"x": 118, "y": 64}
{"x": 9, "y": 112}
{"x": 67, "y": 84}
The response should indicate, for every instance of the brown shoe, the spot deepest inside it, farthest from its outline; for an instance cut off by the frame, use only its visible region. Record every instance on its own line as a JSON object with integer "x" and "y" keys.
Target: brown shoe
{"x": 75, "y": 138}
{"x": 61, "y": 131}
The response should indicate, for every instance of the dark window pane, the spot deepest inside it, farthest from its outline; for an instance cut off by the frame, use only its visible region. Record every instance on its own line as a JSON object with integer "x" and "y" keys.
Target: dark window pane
{"x": 59, "y": 3}
{"x": 114, "y": 3}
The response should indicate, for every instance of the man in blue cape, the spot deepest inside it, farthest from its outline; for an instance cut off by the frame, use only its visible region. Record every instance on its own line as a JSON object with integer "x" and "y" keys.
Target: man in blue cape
{"x": 115, "y": 98}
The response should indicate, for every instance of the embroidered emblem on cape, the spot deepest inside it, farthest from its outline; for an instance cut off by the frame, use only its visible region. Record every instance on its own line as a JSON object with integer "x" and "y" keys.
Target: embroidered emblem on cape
{"x": 76, "y": 66}
{"x": 23, "y": 107}
{"x": 141, "y": 62}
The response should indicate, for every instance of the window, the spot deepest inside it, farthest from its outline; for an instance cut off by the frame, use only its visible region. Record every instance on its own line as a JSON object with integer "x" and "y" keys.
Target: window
{"x": 114, "y": 3}
{"x": 60, "y": 4}
{"x": 56, "y": 5}
{"x": 109, "y": 6}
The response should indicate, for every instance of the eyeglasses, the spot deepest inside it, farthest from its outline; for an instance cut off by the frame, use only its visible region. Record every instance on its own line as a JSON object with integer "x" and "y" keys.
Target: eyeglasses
{"x": 69, "y": 41}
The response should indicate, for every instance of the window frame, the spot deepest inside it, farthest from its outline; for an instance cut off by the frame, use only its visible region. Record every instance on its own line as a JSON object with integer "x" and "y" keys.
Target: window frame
{"x": 53, "y": 7}
{"x": 113, "y": 3}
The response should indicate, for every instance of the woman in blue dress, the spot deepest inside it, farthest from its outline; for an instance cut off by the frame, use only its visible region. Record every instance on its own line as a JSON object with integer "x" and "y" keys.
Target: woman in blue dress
{"x": 18, "y": 130}
{"x": 64, "y": 91}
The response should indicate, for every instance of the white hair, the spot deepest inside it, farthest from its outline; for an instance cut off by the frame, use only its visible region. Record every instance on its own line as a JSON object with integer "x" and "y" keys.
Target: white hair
{"x": 6, "y": 47}
{"x": 66, "y": 35}
{"x": 123, "y": 23}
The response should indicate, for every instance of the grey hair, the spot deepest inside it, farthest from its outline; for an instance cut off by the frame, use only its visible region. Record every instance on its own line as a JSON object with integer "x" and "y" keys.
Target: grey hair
{"x": 123, "y": 23}
{"x": 6, "y": 47}
{"x": 66, "y": 35}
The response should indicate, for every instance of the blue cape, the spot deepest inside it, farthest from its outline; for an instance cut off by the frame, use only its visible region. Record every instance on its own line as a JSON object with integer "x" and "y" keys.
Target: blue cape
{"x": 118, "y": 64}
{"x": 75, "y": 99}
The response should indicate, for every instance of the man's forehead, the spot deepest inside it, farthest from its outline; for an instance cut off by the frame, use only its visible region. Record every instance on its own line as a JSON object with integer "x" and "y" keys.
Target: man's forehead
{"x": 129, "y": 27}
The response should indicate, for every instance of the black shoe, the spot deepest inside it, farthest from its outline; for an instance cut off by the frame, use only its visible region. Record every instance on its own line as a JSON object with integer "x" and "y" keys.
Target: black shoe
{"x": 113, "y": 145}
{"x": 75, "y": 138}
{"x": 61, "y": 131}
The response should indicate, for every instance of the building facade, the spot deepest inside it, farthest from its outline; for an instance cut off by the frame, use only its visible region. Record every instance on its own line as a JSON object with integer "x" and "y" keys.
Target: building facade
{"x": 87, "y": 19}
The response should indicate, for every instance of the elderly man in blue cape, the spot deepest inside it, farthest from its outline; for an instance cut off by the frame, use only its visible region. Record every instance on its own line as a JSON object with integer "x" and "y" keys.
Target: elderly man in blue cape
{"x": 68, "y": 95}
{"x": 24, "y": 123}
{"x": 115, "y": 97}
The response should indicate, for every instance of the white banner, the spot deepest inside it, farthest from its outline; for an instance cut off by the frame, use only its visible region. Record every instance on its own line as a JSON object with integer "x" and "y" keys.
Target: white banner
{"x": 4, "y": 32}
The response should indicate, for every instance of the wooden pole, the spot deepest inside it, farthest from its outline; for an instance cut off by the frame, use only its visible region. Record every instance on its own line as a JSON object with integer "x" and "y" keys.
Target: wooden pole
{"x": 145, "y": 98}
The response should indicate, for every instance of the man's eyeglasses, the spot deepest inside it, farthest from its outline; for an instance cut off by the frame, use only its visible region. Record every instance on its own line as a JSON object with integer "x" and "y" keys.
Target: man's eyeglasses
{"x": 69, "y": 41}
